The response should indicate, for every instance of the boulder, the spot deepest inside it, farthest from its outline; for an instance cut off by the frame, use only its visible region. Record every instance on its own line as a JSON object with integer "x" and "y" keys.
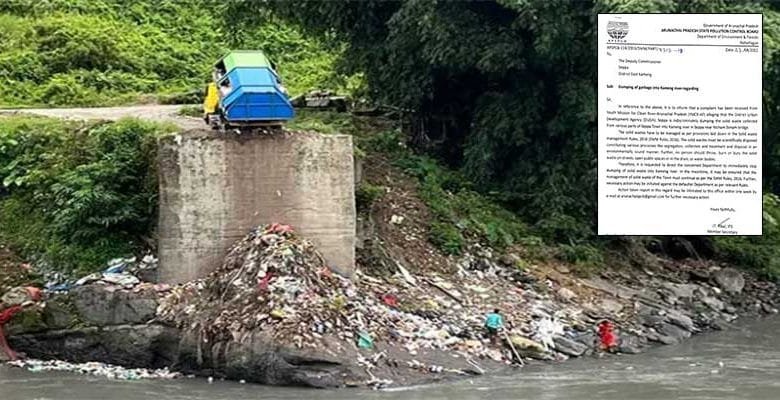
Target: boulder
{"x": 509, "y": 260}
{"x": 699, "y": 275}
{"x": 719, "y": 324}
{"x": 630, "y": 344}
{"x": 528, "y": 348}
{"x": 139, "y": 346}
{"x": 60, "y": 313}
{"x": 651, "y": 320}
{"x": 586, "y": 338}
{"x": 768, "y": 309}
{"x": 651, "y": 300}
{"x": 568, "y": 346}
{"x": 730, "y": 280}
{"x": 663, "y": 339}
{"x": 615, "y": 290}
{"x": 562, "y": 269}
{"x": 680, "y": 291}
{"x": 567, "y": 294}
{"x": 673, "y": 331}
{"x": 102, "y": 305}
{"x": 610, "y": 306}
{"x": 713, "y": 303}
{"x": 681, "y": 320}
{"x": 256, "y": 358}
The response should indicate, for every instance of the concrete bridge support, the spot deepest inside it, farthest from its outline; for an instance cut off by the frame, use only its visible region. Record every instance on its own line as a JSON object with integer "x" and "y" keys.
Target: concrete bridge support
{"x": 215, "y": 187}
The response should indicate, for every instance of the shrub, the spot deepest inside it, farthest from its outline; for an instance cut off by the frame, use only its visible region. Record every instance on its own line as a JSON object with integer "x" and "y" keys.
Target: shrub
{"x": 761, "y": 253}
{"x": 191, "y": 111}
{"x": 77, "y": 194}
{"x": 447, "y": 237}
{"x": 366, "y": 194}
{"x": 585, "y": 258}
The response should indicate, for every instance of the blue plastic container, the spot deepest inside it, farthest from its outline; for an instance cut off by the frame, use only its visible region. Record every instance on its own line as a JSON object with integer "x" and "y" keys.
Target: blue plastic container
{"x": 255, "y": 96}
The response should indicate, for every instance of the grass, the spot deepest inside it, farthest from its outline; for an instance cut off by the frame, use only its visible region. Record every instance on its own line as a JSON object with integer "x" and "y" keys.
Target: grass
{"x": 191, "y": 111}
{"x": 108, "y": 52}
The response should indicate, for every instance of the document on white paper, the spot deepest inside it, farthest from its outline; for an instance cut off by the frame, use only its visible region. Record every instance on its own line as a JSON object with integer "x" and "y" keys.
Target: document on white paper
{"x": 679, "y": 124}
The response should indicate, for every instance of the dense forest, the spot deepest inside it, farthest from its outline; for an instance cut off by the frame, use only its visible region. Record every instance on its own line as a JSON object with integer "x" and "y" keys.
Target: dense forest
{"x": 499, "y": 94}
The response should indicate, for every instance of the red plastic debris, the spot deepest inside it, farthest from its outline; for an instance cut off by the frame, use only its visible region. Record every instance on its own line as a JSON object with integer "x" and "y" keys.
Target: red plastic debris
{"x": 9, "y": 313}
{"x": 34, "y": 293}
{"x": 326, "y": 272}
{"x": 390, "y": 300}
{"x": 280, "y": 228}
{"x": 606, "y": 335}
{"x": 263, "y": 284}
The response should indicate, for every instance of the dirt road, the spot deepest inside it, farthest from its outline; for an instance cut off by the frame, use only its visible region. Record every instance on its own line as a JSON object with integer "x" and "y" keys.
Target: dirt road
{"x": 163, "y": 113}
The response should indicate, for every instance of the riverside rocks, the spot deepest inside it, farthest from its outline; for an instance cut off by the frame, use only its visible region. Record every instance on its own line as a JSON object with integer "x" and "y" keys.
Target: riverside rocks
{"x": 713, "y": 303}
{"x": 730, "y": 280}
{"x": 673, "y": 331}
{"x": 104, "y": 305}
{"x": 569, "y": 347}
{"x": 683, "y": 321}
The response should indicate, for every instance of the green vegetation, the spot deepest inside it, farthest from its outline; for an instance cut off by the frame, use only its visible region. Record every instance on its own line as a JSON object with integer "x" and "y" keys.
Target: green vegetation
{"x": 504, "y": 89}
{"x": 499, "y": 97}
{"x": 331, "y": 122}
{"x": 77, "y": 195}
{"x": 503, "y": 92}
{"x": 366, "y": 194}
{"x": 191, "y": 111}
{"x": 108, "y": 52}
{"x": 761, "y": 253}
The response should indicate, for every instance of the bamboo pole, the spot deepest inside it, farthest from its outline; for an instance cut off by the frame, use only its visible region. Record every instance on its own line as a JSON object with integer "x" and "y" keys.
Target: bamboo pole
{"x": 512, "y": 346}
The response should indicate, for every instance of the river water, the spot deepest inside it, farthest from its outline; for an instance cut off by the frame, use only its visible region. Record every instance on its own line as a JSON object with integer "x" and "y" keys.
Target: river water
{"x": 750, "y": 369}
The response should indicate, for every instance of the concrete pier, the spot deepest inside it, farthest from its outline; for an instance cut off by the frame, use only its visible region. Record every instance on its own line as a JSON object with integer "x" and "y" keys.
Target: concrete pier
{"x": 215, "y": 187}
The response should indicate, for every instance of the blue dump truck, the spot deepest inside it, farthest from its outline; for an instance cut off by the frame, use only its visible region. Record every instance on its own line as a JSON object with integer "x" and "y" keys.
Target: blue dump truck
{"x": 245, "y": 93}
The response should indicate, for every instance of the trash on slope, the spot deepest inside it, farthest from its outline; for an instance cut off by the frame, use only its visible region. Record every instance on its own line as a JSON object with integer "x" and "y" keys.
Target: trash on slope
{"x": 272, "y": 280}
{"x": 122, "y": 272}
{"x": 545, "y": 329}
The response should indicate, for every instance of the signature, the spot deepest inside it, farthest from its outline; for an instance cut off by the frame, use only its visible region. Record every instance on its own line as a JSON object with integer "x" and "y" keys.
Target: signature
{"x": 722, "y": 224}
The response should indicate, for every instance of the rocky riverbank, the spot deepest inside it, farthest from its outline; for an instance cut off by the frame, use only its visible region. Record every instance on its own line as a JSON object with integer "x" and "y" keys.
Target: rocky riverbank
{"x": 275, "y": 314}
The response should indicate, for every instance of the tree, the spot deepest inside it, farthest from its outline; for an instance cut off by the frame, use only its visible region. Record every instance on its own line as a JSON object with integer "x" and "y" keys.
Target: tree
{"x": 505, "y": 89}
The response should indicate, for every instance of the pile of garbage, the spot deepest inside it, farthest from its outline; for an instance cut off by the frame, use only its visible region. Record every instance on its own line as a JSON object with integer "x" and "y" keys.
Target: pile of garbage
{"x": 275, "y": 281}
{"x": 96, "y": 369}
{"x": 126, "y": 273}
{"x": 271, "y": 278}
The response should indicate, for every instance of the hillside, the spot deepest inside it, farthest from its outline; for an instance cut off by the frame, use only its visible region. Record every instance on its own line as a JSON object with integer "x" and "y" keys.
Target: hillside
{"x": 106, "y": 52}
{"x": 484, "y": 172}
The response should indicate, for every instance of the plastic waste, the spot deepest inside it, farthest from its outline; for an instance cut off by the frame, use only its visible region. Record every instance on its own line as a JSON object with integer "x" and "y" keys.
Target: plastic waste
{"x": 118, "y": 265}
{"x": 546, "y": 329}
{"x": 95, "y": 368}
{"x": 606, "y": 335}
{"x": 365, "y": 341}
